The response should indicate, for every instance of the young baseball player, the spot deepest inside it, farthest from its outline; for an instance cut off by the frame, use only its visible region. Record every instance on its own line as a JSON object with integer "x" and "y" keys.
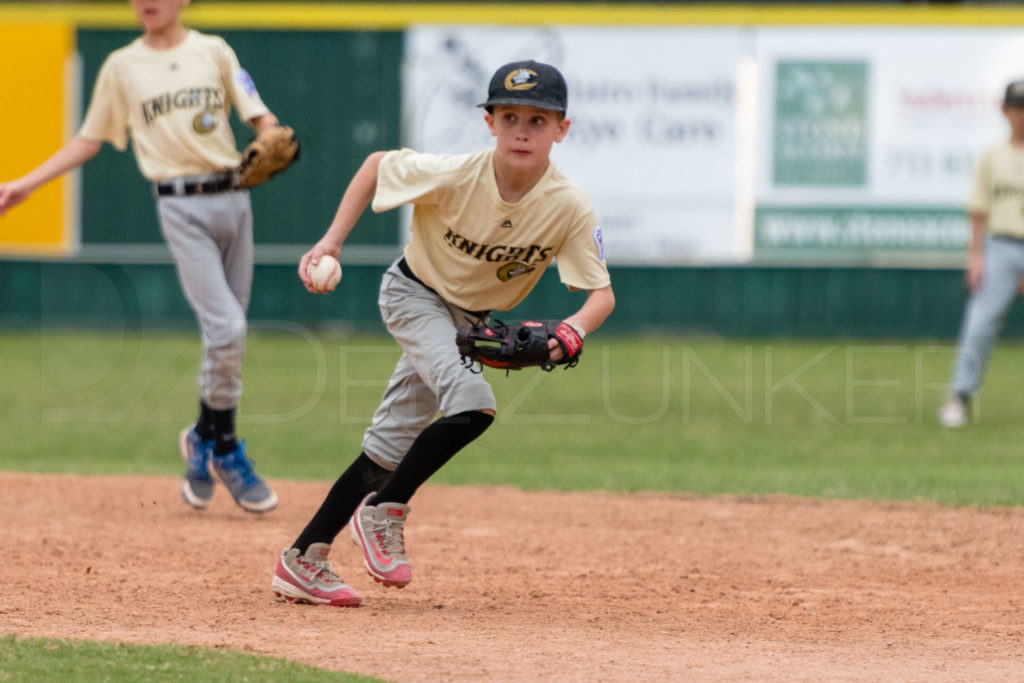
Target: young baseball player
{"x": 171, "y": 92}
{"x": 995, "y": 262}
{"x": 485, "y": 226}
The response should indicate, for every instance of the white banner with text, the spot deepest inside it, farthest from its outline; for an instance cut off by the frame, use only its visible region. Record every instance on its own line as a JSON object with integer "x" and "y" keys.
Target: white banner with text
{"x": 732, "y": 144}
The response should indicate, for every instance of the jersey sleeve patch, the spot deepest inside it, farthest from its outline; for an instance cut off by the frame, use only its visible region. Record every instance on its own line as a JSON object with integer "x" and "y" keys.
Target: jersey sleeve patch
{"x": 245, "y": 80}
{"x": 599, "y": 241}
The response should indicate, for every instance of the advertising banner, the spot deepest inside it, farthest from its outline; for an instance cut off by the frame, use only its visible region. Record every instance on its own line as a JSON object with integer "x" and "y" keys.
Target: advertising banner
{"x": 652, "y": 140}
{"x": 867, "y": 139}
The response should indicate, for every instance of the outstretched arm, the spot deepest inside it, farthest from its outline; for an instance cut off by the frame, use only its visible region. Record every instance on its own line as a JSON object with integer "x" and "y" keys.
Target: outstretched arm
{"x": 357, "y": 197}
{"x": 73, "y": 154}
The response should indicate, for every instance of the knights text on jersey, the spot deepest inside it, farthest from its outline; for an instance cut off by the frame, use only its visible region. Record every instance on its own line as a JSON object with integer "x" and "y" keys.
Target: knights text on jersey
{"x": 477, "y": 250}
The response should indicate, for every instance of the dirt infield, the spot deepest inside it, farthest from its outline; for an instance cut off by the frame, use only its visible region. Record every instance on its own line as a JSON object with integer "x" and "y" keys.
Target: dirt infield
{"x": 516, "y": 586}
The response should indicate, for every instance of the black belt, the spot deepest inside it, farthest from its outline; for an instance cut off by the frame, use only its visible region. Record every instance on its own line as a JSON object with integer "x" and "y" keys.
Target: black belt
{"x": 1007, "y": 238}
{"x": 190, "y": 185}
{"x": 407, "y": 271}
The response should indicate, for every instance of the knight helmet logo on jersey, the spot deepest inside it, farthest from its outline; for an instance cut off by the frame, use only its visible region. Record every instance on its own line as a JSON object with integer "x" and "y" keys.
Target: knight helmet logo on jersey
{"x": 204, "y": 122}
{"x": 513, "y": 269}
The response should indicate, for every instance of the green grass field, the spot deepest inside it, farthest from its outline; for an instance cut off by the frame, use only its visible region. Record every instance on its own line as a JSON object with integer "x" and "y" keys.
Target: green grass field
{"x": 843, "y": 419}
{"x": 829, "y": 418}
{"x": 43, "y": 659}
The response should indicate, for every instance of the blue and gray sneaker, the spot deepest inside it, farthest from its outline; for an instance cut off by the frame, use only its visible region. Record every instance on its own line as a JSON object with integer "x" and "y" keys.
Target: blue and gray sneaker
{"x": 248, "y": 490}
{"x": 197, "y": 485}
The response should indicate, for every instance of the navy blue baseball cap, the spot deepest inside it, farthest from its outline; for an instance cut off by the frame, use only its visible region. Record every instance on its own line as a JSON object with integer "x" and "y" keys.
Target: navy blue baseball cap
{"x": 1014, "y": 94}
{"x": 528, "y": 82}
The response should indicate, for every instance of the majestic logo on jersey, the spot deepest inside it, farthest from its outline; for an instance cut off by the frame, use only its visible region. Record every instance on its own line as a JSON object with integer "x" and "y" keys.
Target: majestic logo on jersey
{"x": 206, "y": 99}
{"x": 515, "y": 260}
{"x": 204, "y": 122}
{"x": 506, "y": 223}
{"x": 521, "y": 79}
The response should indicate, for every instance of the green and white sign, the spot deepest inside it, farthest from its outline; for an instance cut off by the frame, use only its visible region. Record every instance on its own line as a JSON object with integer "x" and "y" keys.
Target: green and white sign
{"x": 821, "y": 126}
{"x": 867, "y": 137}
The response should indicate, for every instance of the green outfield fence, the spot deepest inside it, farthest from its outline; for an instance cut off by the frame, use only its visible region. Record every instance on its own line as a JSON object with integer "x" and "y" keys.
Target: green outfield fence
{"x": 729, "y": 300}
{"x": 339, "y": 85}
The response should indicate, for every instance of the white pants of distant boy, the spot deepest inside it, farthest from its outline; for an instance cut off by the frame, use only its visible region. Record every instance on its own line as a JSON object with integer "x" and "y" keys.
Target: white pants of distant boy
{"x": 986, "y": 311}
{"x": 210, "y": 237}
{"x": 429, "y": 377}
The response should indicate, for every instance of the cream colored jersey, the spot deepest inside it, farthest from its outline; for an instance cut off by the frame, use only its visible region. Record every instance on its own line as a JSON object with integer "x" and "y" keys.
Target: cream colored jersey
{"x": 998, "y": 189}
{"x": 174, "y": 104}
{"x": 478, "y": 251}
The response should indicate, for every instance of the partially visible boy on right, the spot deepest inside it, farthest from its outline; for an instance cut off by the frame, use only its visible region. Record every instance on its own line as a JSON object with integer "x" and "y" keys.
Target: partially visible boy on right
{"x": 995, "y": 258}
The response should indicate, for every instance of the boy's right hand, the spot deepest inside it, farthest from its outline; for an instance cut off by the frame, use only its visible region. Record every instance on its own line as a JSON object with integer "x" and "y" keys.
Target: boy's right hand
{"x": 12, "y": 194}
{"x": 974, "y": 273}
{"x": 313, "y": 257}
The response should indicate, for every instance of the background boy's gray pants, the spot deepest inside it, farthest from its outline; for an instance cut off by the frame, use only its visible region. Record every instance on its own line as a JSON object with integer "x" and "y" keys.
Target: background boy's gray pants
{"x": 986, "y": 311}
{"x": 211, "y": 239}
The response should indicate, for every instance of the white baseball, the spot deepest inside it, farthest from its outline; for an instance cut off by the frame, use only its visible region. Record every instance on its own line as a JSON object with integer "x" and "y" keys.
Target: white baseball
{"x": 326, "y": 274}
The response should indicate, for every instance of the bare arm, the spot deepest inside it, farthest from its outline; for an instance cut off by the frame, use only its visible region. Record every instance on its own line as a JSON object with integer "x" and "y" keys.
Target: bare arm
{"x": 73, "y": 154}
{"x": 976, "y": 251}
{"x": 357, "y": 197}
{"x": 263, "y": 122}
{"x": 595, "y": 310}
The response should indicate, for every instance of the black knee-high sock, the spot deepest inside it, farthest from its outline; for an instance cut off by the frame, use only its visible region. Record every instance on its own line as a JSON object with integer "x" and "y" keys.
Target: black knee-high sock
{"x": 429, "y": 452}
{"x": 204, "y": 425}
{"x": 224, "y": 440}
{"x": 361, "y": 477}
{"x": 217, "y": 426}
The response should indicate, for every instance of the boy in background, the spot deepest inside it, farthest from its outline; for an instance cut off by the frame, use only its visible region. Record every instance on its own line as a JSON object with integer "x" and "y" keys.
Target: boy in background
{"x": 995, "y": 261}
{"x": 171, "y": 91}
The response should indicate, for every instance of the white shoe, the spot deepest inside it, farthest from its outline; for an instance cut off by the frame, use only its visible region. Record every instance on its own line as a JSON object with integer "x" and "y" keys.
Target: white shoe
{"x": 953, "y": 414}
{"x": 378, "y": 531}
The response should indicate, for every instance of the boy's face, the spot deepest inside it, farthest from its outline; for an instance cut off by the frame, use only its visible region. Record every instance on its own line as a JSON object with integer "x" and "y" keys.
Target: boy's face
{"x": 525, "y": 134}
{"x": 158, "y": 15}
{"x": 1015, "y": 116}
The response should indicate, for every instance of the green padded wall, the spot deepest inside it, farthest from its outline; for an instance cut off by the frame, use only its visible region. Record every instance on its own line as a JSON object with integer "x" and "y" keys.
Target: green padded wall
{"x": 728, "y": 301}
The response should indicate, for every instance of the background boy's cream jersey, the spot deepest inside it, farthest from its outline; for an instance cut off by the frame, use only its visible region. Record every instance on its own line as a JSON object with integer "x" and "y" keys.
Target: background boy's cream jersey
{"x": 998, "y": 189}
{"x": 479, "y": 251}
{"x": 174, "y": 104}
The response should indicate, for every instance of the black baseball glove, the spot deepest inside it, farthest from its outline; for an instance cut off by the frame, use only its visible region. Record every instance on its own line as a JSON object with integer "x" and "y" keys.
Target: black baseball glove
{"x": 520, "y": 345}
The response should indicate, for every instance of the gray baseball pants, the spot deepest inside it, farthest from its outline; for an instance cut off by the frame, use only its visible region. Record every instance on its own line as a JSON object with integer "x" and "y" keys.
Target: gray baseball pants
{"x": 210, "y": 237}
{"x": 429, "y": 376}
{"x": 986, "y": 311}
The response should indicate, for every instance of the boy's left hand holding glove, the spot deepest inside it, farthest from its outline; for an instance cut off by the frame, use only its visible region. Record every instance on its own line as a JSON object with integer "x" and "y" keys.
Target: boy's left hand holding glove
{"x": 519, "y": 345}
